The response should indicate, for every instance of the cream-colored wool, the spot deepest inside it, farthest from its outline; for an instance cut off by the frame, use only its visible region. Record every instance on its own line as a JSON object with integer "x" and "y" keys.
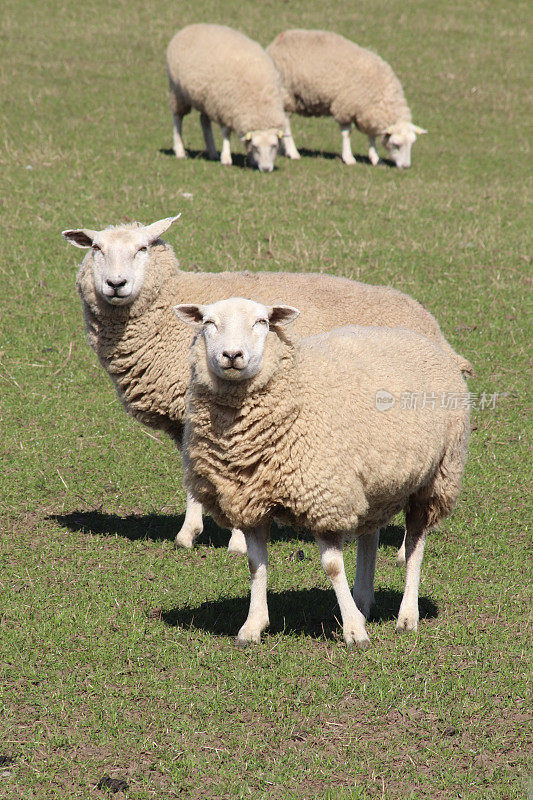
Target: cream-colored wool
{"x": 324, "y": 74}
{"x": 232, "y": 81}
{"x": 304, "y": 441}
{"x": 145, "y": 349}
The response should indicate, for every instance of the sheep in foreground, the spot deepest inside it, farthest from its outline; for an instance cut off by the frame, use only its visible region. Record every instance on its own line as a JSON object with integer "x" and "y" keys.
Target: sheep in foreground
{"x": 229, "y": 79}
{"x": 324, "y": 74}
{"x": 129, "y": 281}
{"x": 277, "y": 428}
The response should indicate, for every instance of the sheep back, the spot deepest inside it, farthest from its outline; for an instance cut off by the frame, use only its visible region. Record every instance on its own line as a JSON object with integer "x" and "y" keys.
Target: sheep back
{"x": 225, "y": 75}
{"x": 325, "y": 74}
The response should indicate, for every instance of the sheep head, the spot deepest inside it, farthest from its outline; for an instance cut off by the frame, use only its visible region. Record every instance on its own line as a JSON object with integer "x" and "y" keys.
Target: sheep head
{"x": 120, "y": 257}
{"x": 398, "y": 139}
{"x": 262, "y": 147}
{"x": 235, "y": 332}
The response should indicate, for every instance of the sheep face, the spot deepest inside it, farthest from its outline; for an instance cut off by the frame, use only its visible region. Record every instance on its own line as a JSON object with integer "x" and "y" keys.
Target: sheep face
{"x": 262, "y": 147}
{"x": 398, "y": 139}
{"x": 234, "y": 332}
{"x": 120, "y": 257}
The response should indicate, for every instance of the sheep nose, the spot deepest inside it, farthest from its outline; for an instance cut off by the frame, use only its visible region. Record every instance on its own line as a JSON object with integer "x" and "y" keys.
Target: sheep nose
{"x": 117, "y": 283}
{"x": 232, "y": 355}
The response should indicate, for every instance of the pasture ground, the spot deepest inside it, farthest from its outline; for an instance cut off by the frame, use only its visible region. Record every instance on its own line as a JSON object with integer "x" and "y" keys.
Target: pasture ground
{"x": 116, "y": 653}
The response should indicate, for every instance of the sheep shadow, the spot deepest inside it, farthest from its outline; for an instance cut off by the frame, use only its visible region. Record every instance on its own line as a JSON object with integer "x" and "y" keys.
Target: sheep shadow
{"x": 311, "y": 612}
{"x": 238, "y": 159}
{"x": 164, "y": 527}
{"x": 361, "y": 159}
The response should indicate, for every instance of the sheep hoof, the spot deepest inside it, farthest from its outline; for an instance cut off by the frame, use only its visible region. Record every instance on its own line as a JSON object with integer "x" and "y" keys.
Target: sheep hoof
{"x": 242, "y": 644}
{"x": 350, "y": 161}
{"x": 186, "y": 539}
{"x": 407, "y": 623}
{"x": 361, "y": 643}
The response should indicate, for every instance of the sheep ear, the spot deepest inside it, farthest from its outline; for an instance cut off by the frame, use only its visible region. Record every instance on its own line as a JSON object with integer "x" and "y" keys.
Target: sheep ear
{"x": 157, "y": 229}
{"x": 247, "y": 137}
{"x": 419, "y": 130}
{"x": 280, "y": 134}
{"x": 80, "y": 237}
{"x": 190, "y": 313}
{"x": 282, "y": 315}
{"x": 388, "y": 131}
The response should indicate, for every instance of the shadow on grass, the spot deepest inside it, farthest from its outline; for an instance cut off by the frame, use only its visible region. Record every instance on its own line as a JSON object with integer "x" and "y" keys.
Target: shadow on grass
{"x": 306, "y": 153}
{"x": 238, "y": 159}
{"x": 159, "y": 527}
{"x": 313, "y": 612}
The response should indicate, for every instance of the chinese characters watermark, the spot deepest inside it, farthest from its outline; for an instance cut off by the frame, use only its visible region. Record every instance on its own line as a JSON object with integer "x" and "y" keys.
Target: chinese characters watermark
{"x": 432, "y": 401}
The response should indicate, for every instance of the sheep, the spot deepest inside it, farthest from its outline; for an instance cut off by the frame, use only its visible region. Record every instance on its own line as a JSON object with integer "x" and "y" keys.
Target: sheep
{"x": 230, "y": 79}
{"x": 324, "y": 74}
{"x": 277, "y": 427}
{"x": 129, "y": 281}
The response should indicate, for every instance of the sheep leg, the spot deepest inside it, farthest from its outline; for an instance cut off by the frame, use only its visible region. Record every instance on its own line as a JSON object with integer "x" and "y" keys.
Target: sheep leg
{"x": 225, "y": 155}
{"x": 363, "y": 588}
{"x": 415, "y": 539}
{"x": 192, "y": 524}
{"x": 400, "y": 556}
{"x": 353, "y": 622}
{"x": 208, "y": 137}
{"x": 372, "y": 152}
{"x": 347, "y": 155}
{"x": 179, "y": 149}
{"x": 288, "y": 148}
{"x": 257, "y": 620}
{"x": 237, "y": 543}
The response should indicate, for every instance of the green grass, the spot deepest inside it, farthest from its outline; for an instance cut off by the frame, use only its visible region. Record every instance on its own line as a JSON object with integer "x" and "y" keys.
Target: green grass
{"x": 116, "y": 653}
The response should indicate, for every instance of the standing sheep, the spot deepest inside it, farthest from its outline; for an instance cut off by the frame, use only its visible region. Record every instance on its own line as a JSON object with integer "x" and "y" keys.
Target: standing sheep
{"x": 230, "y": 79}
{"x": 129, "y": 281}
{"x": 277, "y": 428}
{"x": 324, "y": 74}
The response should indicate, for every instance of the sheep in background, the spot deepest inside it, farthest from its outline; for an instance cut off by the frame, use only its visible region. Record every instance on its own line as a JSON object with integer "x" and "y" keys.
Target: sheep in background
{"x": 230, "y": 79}
{"x": 324, "y": 74}
{"x": 129, "y": 281}
{"x": 292, "y": 430}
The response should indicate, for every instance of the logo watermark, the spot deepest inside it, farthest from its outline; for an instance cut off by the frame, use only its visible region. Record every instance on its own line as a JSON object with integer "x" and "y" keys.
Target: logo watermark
{"x": 432, "y": 401}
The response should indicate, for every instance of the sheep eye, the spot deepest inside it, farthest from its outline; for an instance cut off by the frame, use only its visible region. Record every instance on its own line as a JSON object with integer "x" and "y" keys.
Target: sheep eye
{"x": 261, "y": 322}
{"x": 96, "y": 248}
{"x": 142, "y": 249}
{"x": 209, "y": 322}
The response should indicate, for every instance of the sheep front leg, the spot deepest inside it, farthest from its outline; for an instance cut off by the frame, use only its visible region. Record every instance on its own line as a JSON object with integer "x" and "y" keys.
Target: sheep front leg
{"x": 208, "y": 137}
{"x": 415, "y": 539}
{"x": 372, "y": 152}
{"x": 363, "y": 588}
{"x": 347, "y": 155}
{"x": 179, "y": 150}
{"x": 353, "y": 622}
{"x": 192, "y": 524}
{"x": 288, "y": 148}
{"x": 257, "y": 620}
{"x": 225, "y": 155}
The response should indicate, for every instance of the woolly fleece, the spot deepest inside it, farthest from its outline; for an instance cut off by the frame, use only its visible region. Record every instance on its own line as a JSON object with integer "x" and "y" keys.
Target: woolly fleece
{"x": 225, "y": 75}
{"x": 145, "y": 348}
{"x": 324, "y": 74}
{"x": 304, "y": 442}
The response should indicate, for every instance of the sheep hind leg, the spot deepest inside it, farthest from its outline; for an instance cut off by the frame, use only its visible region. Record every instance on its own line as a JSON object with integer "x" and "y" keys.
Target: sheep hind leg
{"x": 363, "y": 588}
{"x": 415, "y": 539}
{"x": 353, "y": 622}
{"x": 208, "y": 137}
{"x": 179, "y": 149}
{"x": 192, "y": 524}
{"x": 225, "y": 155}
{"x": 347, "y": 155}
{"x": 257, "y": 620}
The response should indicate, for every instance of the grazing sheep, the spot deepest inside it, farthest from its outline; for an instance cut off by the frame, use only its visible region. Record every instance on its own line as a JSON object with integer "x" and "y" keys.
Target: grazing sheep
{"x": 292, "y": 430}
{"x": 130, "y": 279}
{"x": 324, "y": 74}
{"x": 230, "y": 79}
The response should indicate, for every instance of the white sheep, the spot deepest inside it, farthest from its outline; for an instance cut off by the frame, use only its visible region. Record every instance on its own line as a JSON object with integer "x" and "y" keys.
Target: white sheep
{"x": 324, "y": 74}
{"x": 129, "y": 281}
{"x": 229, "y": 79}
{"x": 277, "y": 428}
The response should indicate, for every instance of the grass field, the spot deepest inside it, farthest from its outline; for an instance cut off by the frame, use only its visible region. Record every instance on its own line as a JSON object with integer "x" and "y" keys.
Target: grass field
{"x": 116, "y": 653}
